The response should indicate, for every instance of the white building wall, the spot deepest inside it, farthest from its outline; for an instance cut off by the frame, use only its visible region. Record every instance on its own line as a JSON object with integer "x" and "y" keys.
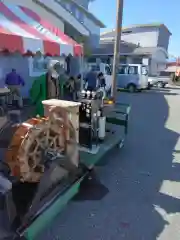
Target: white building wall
{"x": 145, "y": 39}
{"x": 157, "y": 62}
{"x": 40, "y": 11}
{"x": 160, "y": 58}
{"x": 129, "y": 60}
{"x": 172, "y": 69}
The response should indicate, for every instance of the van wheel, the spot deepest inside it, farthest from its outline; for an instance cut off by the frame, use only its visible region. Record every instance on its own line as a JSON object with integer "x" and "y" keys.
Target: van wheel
{"x": 149, "y": 86}
{"x": 131, "y": 88}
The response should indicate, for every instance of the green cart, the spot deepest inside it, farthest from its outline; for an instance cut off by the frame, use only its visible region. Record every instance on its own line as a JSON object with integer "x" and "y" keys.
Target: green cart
{"x": 116, "y": 131}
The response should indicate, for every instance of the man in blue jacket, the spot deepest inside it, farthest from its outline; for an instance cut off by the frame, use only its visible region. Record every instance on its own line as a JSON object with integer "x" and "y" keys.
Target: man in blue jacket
{"x": 91, "y": 80}
{"x": 14, "y": 82}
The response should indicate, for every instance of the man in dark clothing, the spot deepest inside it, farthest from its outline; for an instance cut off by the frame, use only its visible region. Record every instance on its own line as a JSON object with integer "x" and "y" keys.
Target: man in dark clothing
{"x": 101, "y": 80}
{"x": 14, "y": 82}
{"x": 69, "y": 89}
{"x": 91, "y": 79}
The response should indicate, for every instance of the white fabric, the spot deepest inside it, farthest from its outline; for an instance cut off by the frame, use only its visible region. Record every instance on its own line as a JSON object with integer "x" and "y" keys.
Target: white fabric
{"x": 66, "y": 49}
{"x": 31, "y": 41}
{"x": 35, "y": 25}
{"x": 14, "y": 28}
{"x": 55, "y": 75}
{"x": 52, "y": 63}
{"x": 33, "y": 45}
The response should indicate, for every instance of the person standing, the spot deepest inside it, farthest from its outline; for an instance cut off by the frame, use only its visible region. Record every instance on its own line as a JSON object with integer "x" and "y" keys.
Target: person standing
{"x": 14, "y": 82}
{"x": 101, "y": 80}
{"x": 77, "y": 86}
{"x": 91, "y": 80}
{"x": 69, "y": 89}
{"x": 46, "y": 86}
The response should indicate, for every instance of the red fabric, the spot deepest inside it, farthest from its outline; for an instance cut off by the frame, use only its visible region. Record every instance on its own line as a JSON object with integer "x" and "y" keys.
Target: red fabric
{"x": 16, "y": 43}
{"x": 51, "y": 48}
{"x": 12, "y": 17}
{"x": 78, "y": 49}
{"x": 12, "y": 42}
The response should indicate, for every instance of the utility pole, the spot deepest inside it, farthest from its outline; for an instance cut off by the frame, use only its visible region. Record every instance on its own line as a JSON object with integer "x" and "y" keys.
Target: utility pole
{"x": 119, "y": 16}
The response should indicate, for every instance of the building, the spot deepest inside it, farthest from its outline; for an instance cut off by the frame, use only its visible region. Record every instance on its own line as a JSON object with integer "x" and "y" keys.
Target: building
{"x": 70, "y": 16}
{"x": 172, "y": 67}
{"x": 146, "y": 44}
{"x": 79, "y": 9}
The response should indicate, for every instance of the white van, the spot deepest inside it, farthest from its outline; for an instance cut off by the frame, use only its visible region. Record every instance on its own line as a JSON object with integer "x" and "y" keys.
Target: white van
{"x": 132, "y": 77}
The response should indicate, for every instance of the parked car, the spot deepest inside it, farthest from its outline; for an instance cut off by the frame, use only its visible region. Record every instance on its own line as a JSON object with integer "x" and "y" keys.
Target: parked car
{"x": 133, "y": 77}
{"x": 160, "y": 81}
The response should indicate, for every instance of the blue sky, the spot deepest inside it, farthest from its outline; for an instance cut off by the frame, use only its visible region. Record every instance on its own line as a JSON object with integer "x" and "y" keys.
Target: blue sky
{"x": 141, "y": 11}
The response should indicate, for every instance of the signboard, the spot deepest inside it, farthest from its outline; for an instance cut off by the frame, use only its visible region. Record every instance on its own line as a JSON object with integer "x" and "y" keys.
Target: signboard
{"x": 145, "y": 61}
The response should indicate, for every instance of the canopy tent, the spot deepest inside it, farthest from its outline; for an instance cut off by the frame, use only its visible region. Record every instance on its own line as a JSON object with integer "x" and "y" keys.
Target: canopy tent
{"x": 22, "y": 30}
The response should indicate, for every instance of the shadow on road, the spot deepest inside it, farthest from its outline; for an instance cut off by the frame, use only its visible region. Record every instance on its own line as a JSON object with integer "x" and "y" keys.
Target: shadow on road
{"x": 132, "y": 210}
{"x": 148, "y": 162}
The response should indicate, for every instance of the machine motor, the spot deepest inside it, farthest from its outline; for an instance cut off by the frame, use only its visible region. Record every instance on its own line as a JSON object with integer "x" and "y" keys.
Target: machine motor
{"x": 89, "y": 113}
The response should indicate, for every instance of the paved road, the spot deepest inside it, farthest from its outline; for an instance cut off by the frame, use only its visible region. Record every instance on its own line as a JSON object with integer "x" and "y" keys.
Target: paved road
{"x": 143, "y": 202}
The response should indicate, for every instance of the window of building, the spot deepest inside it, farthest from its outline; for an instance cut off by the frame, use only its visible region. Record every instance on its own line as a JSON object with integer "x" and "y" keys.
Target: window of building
{"x": 73, "y": 9}
{"x": 63, "y": 3}
{"x": 80, "y": 16}
{"x": 67, "y": 6}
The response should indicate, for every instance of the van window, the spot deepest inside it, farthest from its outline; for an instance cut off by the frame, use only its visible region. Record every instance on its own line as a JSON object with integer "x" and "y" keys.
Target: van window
{"x": 133, "y": 70}
{"x": 144, "y": 70}
{"x": 123, "y": 70}
{"x": 107, "y": 70}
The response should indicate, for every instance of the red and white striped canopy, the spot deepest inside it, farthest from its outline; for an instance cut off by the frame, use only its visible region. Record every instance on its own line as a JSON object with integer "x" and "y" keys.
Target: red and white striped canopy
{"x": 24, "y": 31}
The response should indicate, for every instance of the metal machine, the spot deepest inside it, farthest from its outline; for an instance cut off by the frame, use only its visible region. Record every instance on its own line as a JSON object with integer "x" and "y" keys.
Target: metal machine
{"x": 42, "y": 169}
{"x": 41, "y": 161}
{"x": 89, "y": 116}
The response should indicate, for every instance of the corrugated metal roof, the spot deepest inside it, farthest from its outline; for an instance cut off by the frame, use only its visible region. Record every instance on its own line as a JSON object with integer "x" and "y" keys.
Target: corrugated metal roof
{"x": 144, "y": 50}
{"x": 148, "y": 51}
{"x": 107, "y": 48}
{"x": 138, "y": 26}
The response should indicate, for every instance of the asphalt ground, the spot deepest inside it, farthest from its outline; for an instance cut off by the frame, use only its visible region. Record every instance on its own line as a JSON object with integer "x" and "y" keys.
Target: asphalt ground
{"x": 139, "y": 194}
